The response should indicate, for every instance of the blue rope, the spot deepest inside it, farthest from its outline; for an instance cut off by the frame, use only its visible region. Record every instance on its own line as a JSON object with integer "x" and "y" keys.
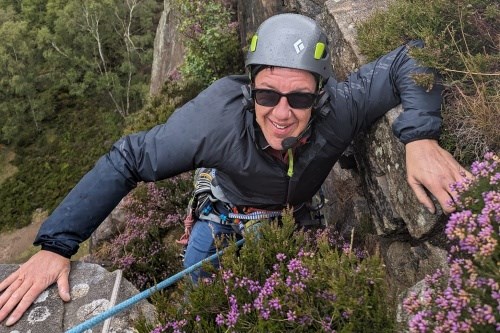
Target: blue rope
{"x": 145, "y": 294}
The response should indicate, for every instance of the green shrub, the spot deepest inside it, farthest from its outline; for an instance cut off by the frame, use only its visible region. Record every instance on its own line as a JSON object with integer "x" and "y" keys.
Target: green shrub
{"x": 461, "y": 38}
{"x": 211, "y": 40}
{"x": 58, "y": 157}
{"x": 283, "y": 280}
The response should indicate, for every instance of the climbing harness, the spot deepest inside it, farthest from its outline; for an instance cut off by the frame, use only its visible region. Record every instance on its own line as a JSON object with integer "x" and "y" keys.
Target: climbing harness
{"x": 208, "y": 203}
{"x": 86, "y": 325}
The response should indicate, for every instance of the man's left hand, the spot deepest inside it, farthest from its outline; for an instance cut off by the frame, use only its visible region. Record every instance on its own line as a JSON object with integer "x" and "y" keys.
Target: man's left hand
{"x": 431, "y": 167}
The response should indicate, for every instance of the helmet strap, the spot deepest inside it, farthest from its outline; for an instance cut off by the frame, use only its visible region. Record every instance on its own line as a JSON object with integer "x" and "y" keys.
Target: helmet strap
{"x": 247, "y": 100}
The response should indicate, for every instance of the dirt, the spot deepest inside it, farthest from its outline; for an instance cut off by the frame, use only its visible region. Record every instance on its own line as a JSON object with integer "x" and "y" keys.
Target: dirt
{"x": 16, "y": 246}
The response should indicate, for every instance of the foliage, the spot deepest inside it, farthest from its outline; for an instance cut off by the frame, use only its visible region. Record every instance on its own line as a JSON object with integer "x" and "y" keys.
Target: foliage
{"x": 211, "y": 40}
{"x": 68, "y": 146}
{"x": 283, "y": 280}
{"x": 159, "y": 107}
{"x": 65, "y": 66}
{"x": 152, "y": 212}
{"x": 54, "y": 52}
{"x": 467, "y": 298}
{"x": 461, "y": 38}
{"x": 212, "y": 51}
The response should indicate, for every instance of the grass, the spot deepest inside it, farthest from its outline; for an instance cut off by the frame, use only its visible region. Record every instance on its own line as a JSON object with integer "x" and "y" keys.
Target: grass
{"x": 461, "y": 40}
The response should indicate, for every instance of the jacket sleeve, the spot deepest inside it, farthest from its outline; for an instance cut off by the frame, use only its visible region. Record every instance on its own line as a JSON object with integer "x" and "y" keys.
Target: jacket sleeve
{"x": 381, "y": 85}
{"x": 166, "y": 150}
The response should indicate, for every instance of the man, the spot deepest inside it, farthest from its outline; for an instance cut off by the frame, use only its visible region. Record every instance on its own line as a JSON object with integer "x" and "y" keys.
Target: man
{"x": 271, "y": 151}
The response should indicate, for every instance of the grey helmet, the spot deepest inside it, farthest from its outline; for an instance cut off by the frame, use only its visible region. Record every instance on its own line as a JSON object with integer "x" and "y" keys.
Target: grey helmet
{"x": 290, "y": 40}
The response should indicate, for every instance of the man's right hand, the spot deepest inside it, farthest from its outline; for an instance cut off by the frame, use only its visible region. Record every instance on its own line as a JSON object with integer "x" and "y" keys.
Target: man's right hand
{"x": 21, "y": 288}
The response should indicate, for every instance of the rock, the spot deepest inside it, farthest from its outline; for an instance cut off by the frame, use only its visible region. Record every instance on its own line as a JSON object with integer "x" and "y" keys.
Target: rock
{"x": 168, "y": 48}
{"x": 407, "y": 264}
{"x": 91, "y": 289}
{"x": 109, "y": 228}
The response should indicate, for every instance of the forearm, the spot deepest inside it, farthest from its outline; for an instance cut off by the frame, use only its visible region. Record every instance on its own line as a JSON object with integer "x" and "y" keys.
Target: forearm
{"x": 421, "y": 118}
{"x": 85, "y": 207}
{"x": 381, "y": 85}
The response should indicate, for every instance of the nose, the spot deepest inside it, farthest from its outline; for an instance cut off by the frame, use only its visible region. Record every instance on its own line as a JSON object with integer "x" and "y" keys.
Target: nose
{"x": 282, "y": 109}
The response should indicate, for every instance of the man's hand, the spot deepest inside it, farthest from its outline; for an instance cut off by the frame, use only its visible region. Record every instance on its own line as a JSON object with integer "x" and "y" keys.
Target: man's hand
{"x": 431, "y": 167}
{"x": 21, "y": 288}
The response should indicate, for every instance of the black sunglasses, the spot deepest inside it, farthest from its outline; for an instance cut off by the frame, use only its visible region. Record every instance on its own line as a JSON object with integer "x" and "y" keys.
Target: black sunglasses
{"x": 297, "y": 100}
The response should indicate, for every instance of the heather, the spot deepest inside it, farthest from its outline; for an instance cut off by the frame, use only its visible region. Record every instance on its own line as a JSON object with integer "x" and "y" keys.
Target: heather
{"x": 466, "y": 298}
{"x": 144, "y": 248}
{"x": 283, "y": 280}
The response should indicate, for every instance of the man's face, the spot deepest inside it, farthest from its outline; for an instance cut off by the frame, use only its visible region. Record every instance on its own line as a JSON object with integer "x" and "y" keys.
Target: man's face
{"x": 282, "y": 121}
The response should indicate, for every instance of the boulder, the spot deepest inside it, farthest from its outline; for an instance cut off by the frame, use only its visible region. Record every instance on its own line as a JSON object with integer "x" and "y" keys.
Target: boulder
{"x": 91, "y": 293}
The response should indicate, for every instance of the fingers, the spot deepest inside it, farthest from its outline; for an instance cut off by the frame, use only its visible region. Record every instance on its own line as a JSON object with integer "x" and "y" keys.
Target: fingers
{"x": 7, "y": 282}
{"x": 63, "y": 287}
{"x": 23, "y": 297}
{"x": 9, "y": 286}
{"x": 445, "y": 199}
{"x": 19, "y": 295}
{"x": 431, "y": 167}
{"x": 21, "y": 288}
{"x": 422, "y": 196}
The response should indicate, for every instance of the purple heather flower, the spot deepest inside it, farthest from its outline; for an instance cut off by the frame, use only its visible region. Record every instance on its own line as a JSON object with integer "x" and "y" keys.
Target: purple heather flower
{"x": 275, "y": 303}
{"x": 219, "y": 319}
{"x": 291, "y": 316}
{"x": 265, "y": 314}
{"x": 346, "y": 314}
{"x": 247, "y": 308}
{"x": 227, "y": 275}
{"x": 280, "y": 257}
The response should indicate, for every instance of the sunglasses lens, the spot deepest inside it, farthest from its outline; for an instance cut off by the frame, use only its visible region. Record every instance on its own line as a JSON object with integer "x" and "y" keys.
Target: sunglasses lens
{"x": 301, "y": 100}
{"x": 267, "y": 97}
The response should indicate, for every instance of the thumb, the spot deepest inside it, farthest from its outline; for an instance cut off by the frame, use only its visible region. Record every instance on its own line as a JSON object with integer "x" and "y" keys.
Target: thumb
{"x": 422, "y": 197}
{"x": 63, "y": 287}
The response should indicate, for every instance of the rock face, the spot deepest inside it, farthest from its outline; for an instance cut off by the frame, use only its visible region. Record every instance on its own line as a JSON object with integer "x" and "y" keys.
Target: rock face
{"x": 168, "y": 50}
{"x": 91, "y": 294}
{"x": 411, "y": 240}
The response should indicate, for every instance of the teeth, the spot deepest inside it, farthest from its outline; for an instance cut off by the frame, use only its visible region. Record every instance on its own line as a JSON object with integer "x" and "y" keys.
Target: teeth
{"x": 278, "y": 126}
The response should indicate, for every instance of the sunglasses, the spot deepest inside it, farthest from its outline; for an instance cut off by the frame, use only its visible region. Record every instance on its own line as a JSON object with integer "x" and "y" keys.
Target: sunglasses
{"x": 297, "y": 100}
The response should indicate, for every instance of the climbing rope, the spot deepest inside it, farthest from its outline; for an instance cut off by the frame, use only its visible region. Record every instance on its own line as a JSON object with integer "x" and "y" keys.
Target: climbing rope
{"x": 143, "y": 295}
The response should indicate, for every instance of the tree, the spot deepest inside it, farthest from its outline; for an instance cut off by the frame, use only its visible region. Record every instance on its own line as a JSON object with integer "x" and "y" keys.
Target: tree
{"x": 54, "y": 52}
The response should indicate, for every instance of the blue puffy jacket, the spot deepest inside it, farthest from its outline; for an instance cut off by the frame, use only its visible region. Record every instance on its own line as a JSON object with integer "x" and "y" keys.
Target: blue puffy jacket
{"x": 215, "y": 130}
